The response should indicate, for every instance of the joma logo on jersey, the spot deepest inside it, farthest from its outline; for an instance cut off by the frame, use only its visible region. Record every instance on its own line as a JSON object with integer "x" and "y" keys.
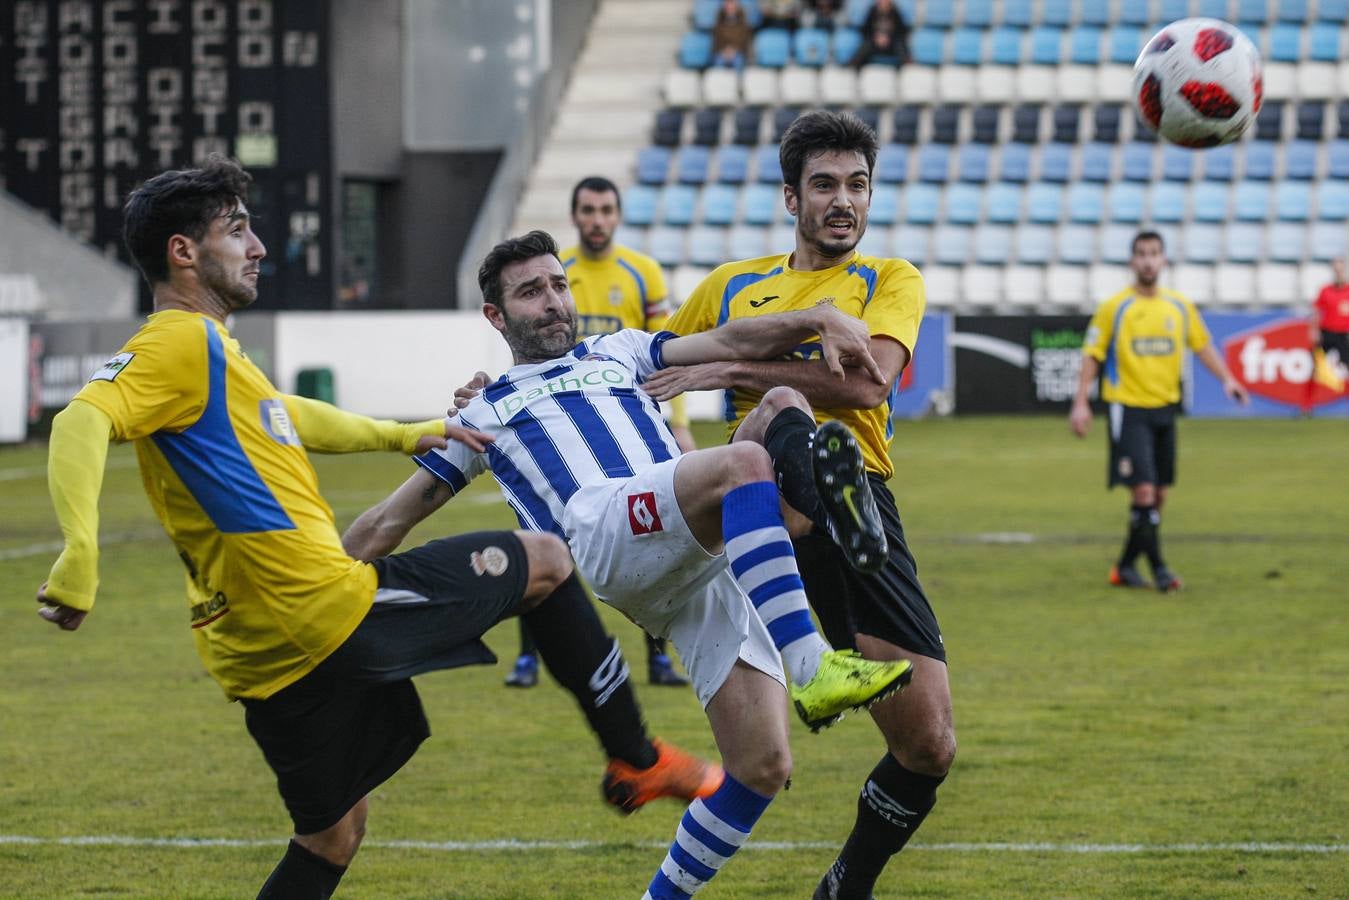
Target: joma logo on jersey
{"x": 642, "y": 515}
{"x": 1156, "y": 346}
{"x": 576, "y": 380}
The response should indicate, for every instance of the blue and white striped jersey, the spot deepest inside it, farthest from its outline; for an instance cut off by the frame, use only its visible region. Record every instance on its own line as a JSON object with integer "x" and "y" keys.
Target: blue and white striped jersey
{"x": 564, "y": 424}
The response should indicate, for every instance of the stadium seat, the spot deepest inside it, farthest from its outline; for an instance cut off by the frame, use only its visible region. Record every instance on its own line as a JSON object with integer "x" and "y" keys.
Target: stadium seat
{"x": 1292, "y": 11}
{"x": 718, "y": 204}
{"x": 1287, "y": 242}
{"x": 1066, "y": 286}
{"x": 904, "y": 124}
{"x": 653, "y": 164}
{"x": 1285, "y": 43}
{"x": 705, "y": 14}
{"x": 1194, "y": 281}
{"x": 981, "y": 285}
{"x": 682, "y": 88}
{"x": 1293, "y": 201}
{"x": 732, "y": 164}
{"x": 1211, "y": 201}
{"x": 1326, "y": 241}
{"x": 934, "y": 163}
{"x": 800, "y": 86}
{"x": 1056, "y": 162}
{"x": 1017, "y": 13}
{"x": 721, "y": 87}
{"x": 759, "y": 87}
{"x": 876, "y": 84}
{"x": 691, "y": 164}
{"x": 1244, "y": 242}
{"x": 1115, "y": 241}
{"x": 1058, "y": 13}
{"x": 761, "y": 203}
{"x": 1166, "y": 202}
{"x": 967, "y": 46}
{"x": 707, "y": 246}
{"x": 1094, "y": 12}
{"x": 669, "y": 125}
{"x": 1252, "y": 11}
{"x": 1311, "y": 118}
{"x": 1337, "y": 157}
{"x": 993, "y": 244}
{"x": 876, "y": 242}
{"x": 767, "y": 167}
{"x": 962, "y": 204}
{"x": 1332, "y": 10}
{"x": 772, "y": 48}
{"x": 1086, "y": 203}
{"x": 884, "y": 205}
{"x": 845, "y": 45}
{"x": 911, "y": 243}
{"x": 1269, "y": 121}
{"x": 945, "y": 124}
{"x": 1170, "y": 11}
{"x": 695, "y": 50}
{"x": 746, "y": 125}
{"x": 1323, "y": 42}
{"x": 677, "y": 202}
{"x": 1332, "y": 201}
{"x": 921, "y": 202}
{"x": 986, "y": 120}
{"x": 1024, "y": 285}
{"x": 978, "y": 13}
{"x": 1299, "y": 160}
{"x": 1026, "y": 124}
{"x": 870, "y": 116}
{"x": 1234, "y": 285}
{"x": 1105, "y": 124}
{"x": 639, "y": 204}
{"x": 1097, "y": 162}
{"x": 1044, "y": 203}
{"x": 892, "y": 163}
{"x": 951, "y": 244}
{"x": 1213, "y": 9}
{"x": 1076, "y": 244}
{"x": 685, "y": 279}
{"x": 1014, "y": 163}
{"x": 838, "y": 85}
{"x": 1125, "y": 202}
{"x": 972, "y": 162}
{"x": 1046, "y": 46}
{"x": 1035, "y": 83}
{"x": 747, "y": 242}
{"x": 855, "y": 12}
{"x": 1124, "y": 41}
{"x": 936, "y": 15}
{"x": 928, "y": 46}
{"x": 1004, "y": 46}
{"x": 1259, "y": 160}
{"x": 707, "y": 127}
{"x": 1219, "y": 162}
{"x": 1104, "y": 279}
{"x": 782, "y": 236}
{"x": 1136, "y": 160}
{"x": 943, "y": 286}
{"x": 810, "y": 47}
{"x": 1277, "y": 284}
{"x": 1202, "y": 243}
{"x": 666, "y": 245}
{"x": 1085, "y": 46}
{"x": 1067, "y": 121}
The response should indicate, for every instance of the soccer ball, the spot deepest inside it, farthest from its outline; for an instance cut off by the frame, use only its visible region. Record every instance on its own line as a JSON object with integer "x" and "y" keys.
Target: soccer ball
{"x": 1198, "y": 83}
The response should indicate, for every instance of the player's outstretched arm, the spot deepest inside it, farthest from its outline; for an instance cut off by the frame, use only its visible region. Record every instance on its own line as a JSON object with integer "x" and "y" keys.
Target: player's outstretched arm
{"x": 324, "y": 428}
{"x": 1234, "y": 389}
{"x": 76, "y": 457}
{"x": 380, "y": 529}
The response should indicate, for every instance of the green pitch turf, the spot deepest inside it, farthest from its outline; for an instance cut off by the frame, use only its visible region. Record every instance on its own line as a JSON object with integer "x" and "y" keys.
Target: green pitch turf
{"x": 1112, "y": 743}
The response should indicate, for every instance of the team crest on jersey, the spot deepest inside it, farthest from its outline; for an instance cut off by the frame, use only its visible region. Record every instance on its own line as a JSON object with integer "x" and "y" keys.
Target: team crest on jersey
{"x": 597, "y": 357}
{"x": 615, "y": 295}
{"x": 489, "y": 561}
{"x": 113, "y": 367}
{"x": 276, "y": 422}
{"x": 642, "y": 515}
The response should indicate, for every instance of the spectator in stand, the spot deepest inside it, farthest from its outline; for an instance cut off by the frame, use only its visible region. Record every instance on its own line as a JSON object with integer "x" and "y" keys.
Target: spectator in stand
{"x": 731, "y": 36}
{"x": 821, "y": 13}
{"x": 885, "y": 36}
{"x": 781, "y": 14}
{"x": 1329, "y": 333}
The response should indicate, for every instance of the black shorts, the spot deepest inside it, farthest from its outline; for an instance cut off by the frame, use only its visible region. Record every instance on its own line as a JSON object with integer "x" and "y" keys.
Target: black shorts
{"x": 1337, "y": 341}
{"x": 339, "y": 732}
{"x": 889, "y": 605}
{"x": 1142, "y": 445}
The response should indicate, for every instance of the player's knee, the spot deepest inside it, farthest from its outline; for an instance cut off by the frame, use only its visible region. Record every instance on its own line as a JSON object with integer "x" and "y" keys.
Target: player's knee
{"x": 1145, "y": 494}
{"x": 745, "y": 463}
{"x": 931, "y": 753}
{"x": 338, "y": 844}
{"x": 767, "y": 771}
{"x": 550, "y": 563}
{"x": 779, "y": 398}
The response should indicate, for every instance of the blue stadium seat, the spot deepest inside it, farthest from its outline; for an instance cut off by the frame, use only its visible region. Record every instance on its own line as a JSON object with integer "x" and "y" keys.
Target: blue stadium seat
{"x": 855, "y": 12}
{"x": 1219, "y": 162}
{"x": 1014, "y": 163}
{"x": 707, "y": 127}
{"x": 1332, "y": 10}
{"x": 1287, "y": 242}
{"x": 1126, "y": 202}
{"x": 875, "y": 242}
{"x": 1337, "y": 162}
{"x": 1003, "y": 203}
{"x": 1325, "y": 241}
{"x": 1115, "y": 240}
{"x": 707, "y": 247}
{"x": 666, "y": 245}
{"x": 992, "y": 244}
{"x": 1203, "y": 243}
{"x": 1311, "y": 121}
{"x": 937, "y": 15}
{"x": 1004, "y": 46}
{"x": 782, "y": 119}
{"x": 1259, "y": 160}
{"x": 746, "y": 123}
{"x": 695, "y": 50}
{"x": 691, "y": 164}
{"x": 810, "y": 47}
{"x": 1293, "y": 11}
{"x": 1137, "y": 161}
{"x": 962, "y": 204}
{"x": 719, "y": 201}
{"x": 1269, "y": 121}
{"x": 1171, "y": 10}
{"x": 639, "y": 205}
{"x": 1105, "y": 123}
{"x": 928, "y": 46}
{"x": 1166, "y": 202}
{"x": 1056, "y": 12}
{"x": 767, "y": 166}
{"x": 1125, "y": 42}
{"x": 1034, "y": 244}
{"x": 978, "y": 13}
{"x": 911, "y": 243}
{"x": 951, "y": 244}
{"x": 1086, "y": 203}
{"x": 772, "y": 48}
{"x": 677, "y": 202}
{"x": 1243, "y": 242}
{"x": 705, "y": 14}
{"x": 1135, "y": 14}
{"x": 884, "y": 205}
{"x": 967, "y": 46}
{"x": 1299, "y": 160}
{"x": 1211, "y": 201}
{"x": 1177, "y": 163}
{"x": 1056, "y": 162}
{"x": 1026, "y": 124}
{"x": 1252, "y": 11}
{"x": 920, "y": 203}
{"x": 985, "y": 121}
{"x": 1076, "y": 244}
{"x": 732, "y": 164}
{"x": 934, "y": 162}
{"x": 945, "y": 124}
{"x": 653, "y": 165}
{"x": 1085, "y": 45}
{"x": 1213, "y": 9}
{"x": 669, "y": 124}
{"x": 1095, "y": 12}
{"x": 1285, "y": 43}
{"x": 747, "y": 242}
{"x": 1017, "y": 12}
{"x": 761, "y": 203}
{"x": 1252, "y": 201}
{"x": 1332, "y": 201}
{"x": 1046, "y": 46}
{"x": 845, "y": 44}
{"x": 1293, "y": 201}
{"x": 905, "y": 124}
{"x": 892, "y": 163}
{"x": 1067, "y": 124}
{"x": 972, "y": 162}
{"x": 1323, "y": 42}
{"x": 1096, "y": 162}
{"x": 1044, "y": 203}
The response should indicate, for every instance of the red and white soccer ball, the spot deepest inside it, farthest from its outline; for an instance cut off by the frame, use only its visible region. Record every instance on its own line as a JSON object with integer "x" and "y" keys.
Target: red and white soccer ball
{"x": 1198, "y": 83}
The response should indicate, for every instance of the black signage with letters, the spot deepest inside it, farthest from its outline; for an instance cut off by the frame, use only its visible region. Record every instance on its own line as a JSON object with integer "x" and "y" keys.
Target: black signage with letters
{"x": 98, "y": 95}
{"x": 1014, "y": 364}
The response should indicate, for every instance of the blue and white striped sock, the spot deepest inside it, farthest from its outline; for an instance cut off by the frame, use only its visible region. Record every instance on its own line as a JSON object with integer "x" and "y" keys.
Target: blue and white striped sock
{"x": 709, "y": 834}
{"x": 759, "y": 551}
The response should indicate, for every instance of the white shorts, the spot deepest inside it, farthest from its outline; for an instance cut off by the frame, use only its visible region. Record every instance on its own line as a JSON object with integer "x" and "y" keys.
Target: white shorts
{"x": 632, "y": 545}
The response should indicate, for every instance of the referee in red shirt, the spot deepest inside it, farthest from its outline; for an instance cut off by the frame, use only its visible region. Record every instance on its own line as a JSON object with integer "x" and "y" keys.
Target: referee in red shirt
{"x": 1329, "y": 327}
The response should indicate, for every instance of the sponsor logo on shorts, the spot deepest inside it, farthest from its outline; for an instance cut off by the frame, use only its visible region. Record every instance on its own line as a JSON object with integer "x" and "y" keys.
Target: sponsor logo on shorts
{"x": 1126, "y": 467}
{"x": 489, "y": 561}
{"x": 113, "y": 367}
{"x": 642, "y": 515}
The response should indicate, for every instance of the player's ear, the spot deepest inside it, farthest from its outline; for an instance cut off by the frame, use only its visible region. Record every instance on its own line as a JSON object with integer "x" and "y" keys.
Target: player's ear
{"x": 182, "y": 251}
{"x": 494, "y": 314}
{"x": 789, "y": 197}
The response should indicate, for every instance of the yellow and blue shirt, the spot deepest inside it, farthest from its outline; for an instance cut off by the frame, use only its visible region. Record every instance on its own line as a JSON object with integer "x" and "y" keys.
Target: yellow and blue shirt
{"x": 887, "y": 294}
{"x": 1140, "y": 343}
{"x": 625, "y": 289}
{"x": 270, "y": 590}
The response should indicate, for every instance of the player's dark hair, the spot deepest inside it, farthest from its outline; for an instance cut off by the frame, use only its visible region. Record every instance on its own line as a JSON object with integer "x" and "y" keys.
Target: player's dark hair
{"x": 1146, "y": 236}
{"x": 180, "y": 201}
{"x": 511, "y": 250}
{"x": 823, "y": 131}
{"x": 599, "y": 184}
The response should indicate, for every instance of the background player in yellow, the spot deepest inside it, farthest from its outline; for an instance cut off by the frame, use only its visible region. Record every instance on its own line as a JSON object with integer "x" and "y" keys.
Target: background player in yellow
{"x": 319, "y": 647}
{"x": 614, "y": 287}
{"x": 1137, "y": 340}
{"x": 863, "y": 584}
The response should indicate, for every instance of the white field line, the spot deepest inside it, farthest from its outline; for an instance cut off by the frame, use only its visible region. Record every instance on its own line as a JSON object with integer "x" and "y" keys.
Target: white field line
{"x": 113, "y": 840}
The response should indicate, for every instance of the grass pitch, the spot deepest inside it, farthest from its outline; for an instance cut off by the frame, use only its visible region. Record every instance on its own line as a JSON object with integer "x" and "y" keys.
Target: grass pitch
{"x": 1112, "y": 743}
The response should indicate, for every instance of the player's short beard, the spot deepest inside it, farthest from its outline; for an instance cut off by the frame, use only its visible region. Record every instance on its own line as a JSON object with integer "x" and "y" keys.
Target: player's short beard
{"x": 236, "y": 294}
{"x": 1146, "y": 280}
{"x": 529, "y": 344}
{"x": 832, "y": 249}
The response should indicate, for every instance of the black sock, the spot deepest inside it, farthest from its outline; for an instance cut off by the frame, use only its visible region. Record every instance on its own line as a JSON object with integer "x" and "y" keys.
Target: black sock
{"x": 1134, "y": 541}
{"x": 586, "y": 661}
{"x": 528, "y": 647}
{"x": 787, "y": 440}
{"x": 1150, "y": 538}
{"x": 892, "y": 805}
{"x": 301, "y": 875}
{"x": 654, "y": 647}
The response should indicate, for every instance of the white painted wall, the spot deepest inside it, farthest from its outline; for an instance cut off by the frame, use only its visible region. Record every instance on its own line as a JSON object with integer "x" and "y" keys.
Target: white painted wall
{"x": 13, "y": 380}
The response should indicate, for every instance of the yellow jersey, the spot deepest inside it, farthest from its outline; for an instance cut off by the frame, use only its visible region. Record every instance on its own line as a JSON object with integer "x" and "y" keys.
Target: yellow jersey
{"x": 626, "y": 289}
{"x": 887, "y": 294}
{"x": 1140, "y": 343}
{"x": 270, "y": 591}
